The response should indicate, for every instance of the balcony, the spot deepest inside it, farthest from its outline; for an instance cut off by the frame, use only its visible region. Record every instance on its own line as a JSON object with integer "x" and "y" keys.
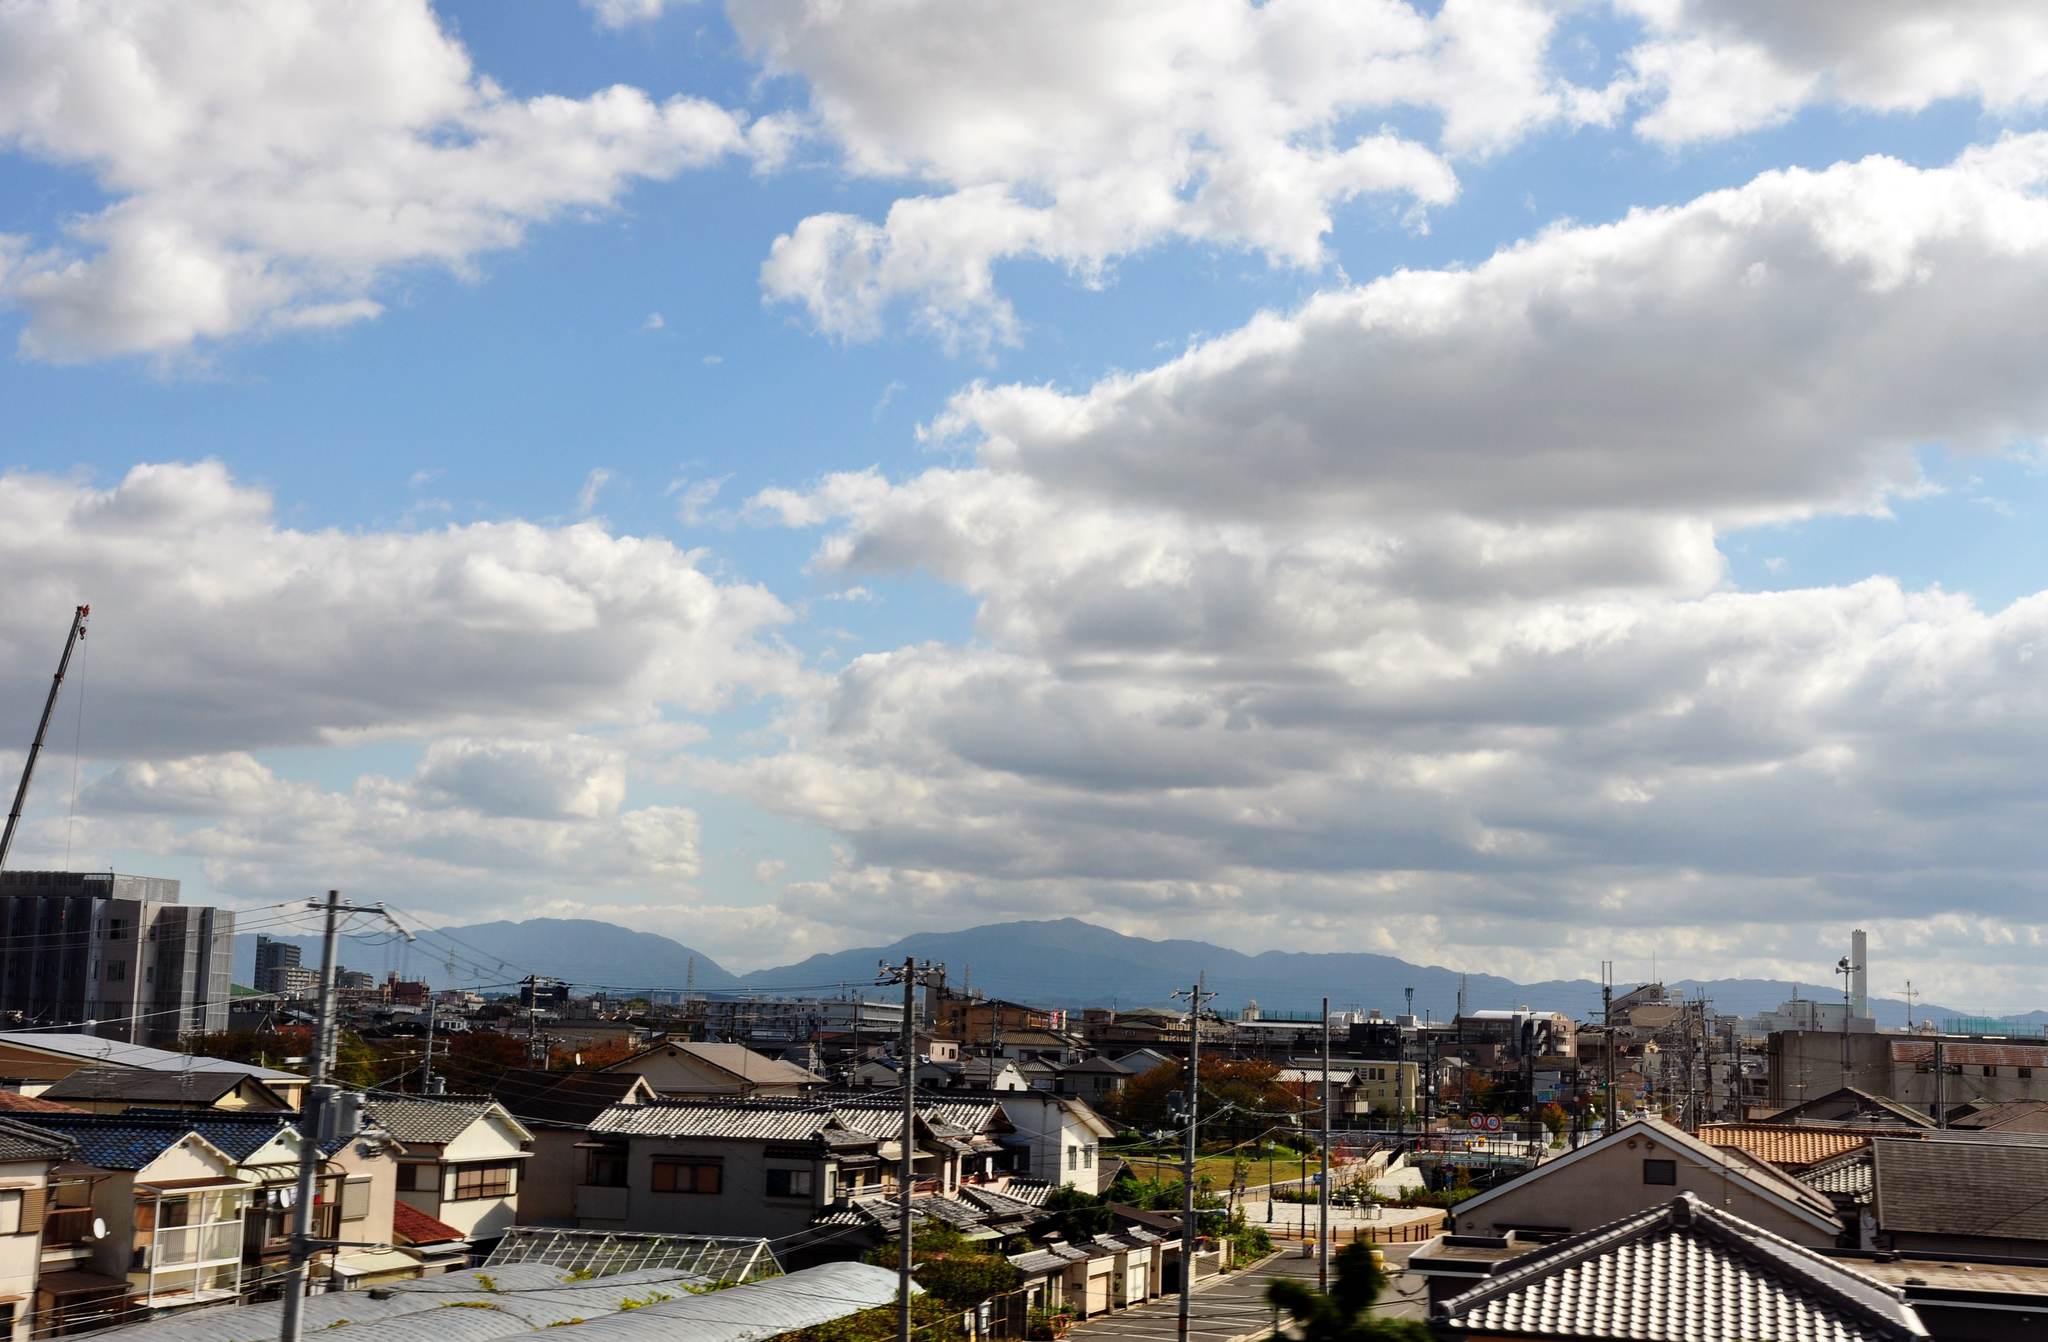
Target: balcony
{"x": 186, "y": 1246}
{"x": 66, "y": 1226}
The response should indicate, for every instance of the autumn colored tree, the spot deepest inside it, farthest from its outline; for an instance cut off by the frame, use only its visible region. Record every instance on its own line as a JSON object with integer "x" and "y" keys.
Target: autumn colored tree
{"x": 477, "y": 1058}
{"x": 594, "y": 1058}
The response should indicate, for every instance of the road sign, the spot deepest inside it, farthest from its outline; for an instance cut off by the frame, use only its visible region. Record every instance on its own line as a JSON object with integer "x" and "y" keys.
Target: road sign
{"x": 1478, "y": 1122}
{"x": 1493, "y": 1122}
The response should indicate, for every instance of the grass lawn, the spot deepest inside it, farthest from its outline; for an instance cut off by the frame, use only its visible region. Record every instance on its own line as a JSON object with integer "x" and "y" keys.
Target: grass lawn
{"x": 1217, "y": 1168}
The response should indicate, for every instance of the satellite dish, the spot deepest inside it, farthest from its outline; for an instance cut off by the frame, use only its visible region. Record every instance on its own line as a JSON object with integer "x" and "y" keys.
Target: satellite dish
{"x": 99, "y": 1228}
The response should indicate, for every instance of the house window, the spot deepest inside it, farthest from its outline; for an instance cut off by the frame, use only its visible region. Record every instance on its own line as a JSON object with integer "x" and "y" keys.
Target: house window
{"x": 149, "y": 974}
{"x": 676, "y": 1176}
{"x": 482, "y": 1181}
{"x": 789, "y": 1183}
{"x": 1087, "y": 1157}
{"x": 1991, "y": 1071}
{"x": 1073, "y": 1157}
{"x": 117, "y": 971}
{"x": 10, "y": 1212}
{"x": 607, "y": 1169}
{"x": 355, "y": 1199}
{"x": 419, "y": 1178}
{"x": 2026, "y": 1073}
{"x": 117, "y": 929}
{"x": 1660, "y": 1172}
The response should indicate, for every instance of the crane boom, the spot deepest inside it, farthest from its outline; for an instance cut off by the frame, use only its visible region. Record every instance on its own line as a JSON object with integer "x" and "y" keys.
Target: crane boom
{"x": 42, "y": 729}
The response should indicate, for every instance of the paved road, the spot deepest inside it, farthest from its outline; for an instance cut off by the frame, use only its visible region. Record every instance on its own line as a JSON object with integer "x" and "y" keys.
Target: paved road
{"x": 1234, "y": 1309}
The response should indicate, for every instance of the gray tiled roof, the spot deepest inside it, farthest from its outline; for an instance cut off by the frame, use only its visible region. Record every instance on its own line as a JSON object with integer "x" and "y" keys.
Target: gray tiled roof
{"x": 24, "y": 1141}
{"x": 137, "y": 1086}
{"x": 1846, "y": 1175}
{"x": 1962, "y": 1188}
{"x": 1682, "y": 1272}
{"x": 709, "y": 1119}
{"x": 429, "y": 1122}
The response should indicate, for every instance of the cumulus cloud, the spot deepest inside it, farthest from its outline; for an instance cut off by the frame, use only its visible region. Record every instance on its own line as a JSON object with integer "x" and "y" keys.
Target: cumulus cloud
{"x": 1713, "y": 68}
{"x": 1079, "y": 133}
{"x": 270, "y": 161}
{"x": 1757, "y": 351}
{"x": 1405, "y": 610}
{"x": 215, "y": 629}
{"x": 481, "y": 825}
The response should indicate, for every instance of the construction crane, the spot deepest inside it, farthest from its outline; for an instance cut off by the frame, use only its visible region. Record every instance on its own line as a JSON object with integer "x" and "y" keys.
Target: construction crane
{"x": 28, "y": 770}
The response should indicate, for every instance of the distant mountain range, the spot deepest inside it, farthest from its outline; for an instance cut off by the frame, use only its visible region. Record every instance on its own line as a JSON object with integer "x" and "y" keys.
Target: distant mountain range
{"x": 1064, "y": 963}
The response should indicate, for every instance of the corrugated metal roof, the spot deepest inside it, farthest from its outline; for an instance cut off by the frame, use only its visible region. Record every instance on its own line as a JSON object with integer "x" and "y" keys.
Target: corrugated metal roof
{"x": 112, "y": 1052}
{"x": 189, "y": 1085}
{"x": 1682, "y": 1272}
{"x": 1962, "y": 1188}
{"x": 471, "y": 1306}
{"x": 743, "y": 1313}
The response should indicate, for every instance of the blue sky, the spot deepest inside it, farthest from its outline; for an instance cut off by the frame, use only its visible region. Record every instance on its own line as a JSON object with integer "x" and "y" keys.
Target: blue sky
{"x": 1047, "y": 668}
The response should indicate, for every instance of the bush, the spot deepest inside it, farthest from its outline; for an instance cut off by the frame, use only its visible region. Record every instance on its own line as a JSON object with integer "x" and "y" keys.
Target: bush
{"x": 952, "y": 1268}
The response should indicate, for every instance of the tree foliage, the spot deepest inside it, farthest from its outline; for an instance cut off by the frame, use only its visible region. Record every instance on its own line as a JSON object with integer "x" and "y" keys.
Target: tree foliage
{"x": 950, "y": 1267}
{"x": 1345, "y": 1313}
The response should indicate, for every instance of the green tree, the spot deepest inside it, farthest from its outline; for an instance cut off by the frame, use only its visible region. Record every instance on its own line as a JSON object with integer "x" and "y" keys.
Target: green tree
{"x": 955, "y": 1269}
{"x": 1345, "y": 1313}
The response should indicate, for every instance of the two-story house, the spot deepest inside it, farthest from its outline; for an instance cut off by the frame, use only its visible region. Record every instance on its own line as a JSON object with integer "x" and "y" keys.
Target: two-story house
{"x": 171, "y": 1203}
{"x": 28, "y": 1156}
{"x": 558, "y": 1109}
{"x": 462, "y": 1159}
{"x": 774, "y": 1168}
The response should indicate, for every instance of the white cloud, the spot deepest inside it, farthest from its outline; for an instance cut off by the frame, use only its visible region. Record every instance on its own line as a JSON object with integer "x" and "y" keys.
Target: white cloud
{"x": 1756, "y": 352}
{"x": 1404, "y": 611}
{"x": 1721, "y": 67}
{"x": 1079, "y": 132}
{"x": 625, "y": 13}
{"x": 215, "y": 629}
{"x": 481, "y": 826}
{"x": 272, "y": 161}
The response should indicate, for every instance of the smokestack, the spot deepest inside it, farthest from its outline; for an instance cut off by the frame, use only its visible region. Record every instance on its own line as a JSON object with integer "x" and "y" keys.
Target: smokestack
{"x": 1859, "y": 981}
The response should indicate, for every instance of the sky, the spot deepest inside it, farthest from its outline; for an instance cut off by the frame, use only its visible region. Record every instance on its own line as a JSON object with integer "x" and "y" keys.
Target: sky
{"x": 1512, "y": 484}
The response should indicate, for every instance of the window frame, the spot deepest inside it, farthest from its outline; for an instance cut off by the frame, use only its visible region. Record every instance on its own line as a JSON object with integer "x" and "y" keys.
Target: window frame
{"x": 795, "y": 1184}
{"x": 1661, "y": 1167}
{"x": 702, "y": 1172}
{"x": 483, "y": 1185}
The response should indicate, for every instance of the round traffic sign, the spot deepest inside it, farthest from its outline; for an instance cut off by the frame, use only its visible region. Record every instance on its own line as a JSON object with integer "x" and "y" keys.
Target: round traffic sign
{"x": 1493, "y": 1122}
{"x": 1478, "y": 1122}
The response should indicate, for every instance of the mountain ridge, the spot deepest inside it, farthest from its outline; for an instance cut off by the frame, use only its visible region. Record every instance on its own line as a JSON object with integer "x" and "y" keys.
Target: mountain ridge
{"x": 1065, "y": 962}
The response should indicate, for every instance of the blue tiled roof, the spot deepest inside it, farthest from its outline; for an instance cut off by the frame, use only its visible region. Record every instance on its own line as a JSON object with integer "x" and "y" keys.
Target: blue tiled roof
{"x": 113, "y": 1141}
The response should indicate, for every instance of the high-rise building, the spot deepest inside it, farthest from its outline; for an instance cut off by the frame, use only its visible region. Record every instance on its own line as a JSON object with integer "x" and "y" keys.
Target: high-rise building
{"x": 115, "y": 955}
{"x": 278, "y": 969}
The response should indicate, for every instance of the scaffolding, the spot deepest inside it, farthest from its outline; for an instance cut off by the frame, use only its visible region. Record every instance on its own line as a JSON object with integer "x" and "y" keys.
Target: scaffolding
{"x": 602, "y": 1253}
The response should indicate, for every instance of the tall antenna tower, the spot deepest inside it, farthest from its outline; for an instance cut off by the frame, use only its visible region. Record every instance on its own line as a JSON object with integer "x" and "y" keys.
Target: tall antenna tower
{"x": 1461, "y": 994}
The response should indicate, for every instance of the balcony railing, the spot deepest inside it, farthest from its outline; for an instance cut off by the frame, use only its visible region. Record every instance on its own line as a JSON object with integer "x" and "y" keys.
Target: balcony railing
{"x": 181, "y": 1246}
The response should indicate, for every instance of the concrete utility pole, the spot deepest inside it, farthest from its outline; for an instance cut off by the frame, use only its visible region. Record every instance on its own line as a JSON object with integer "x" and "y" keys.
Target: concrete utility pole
{"x": 911, "y": 975}
{"x": 1323, "y": 1184}
{"x": 321, "y": 1118}
{"x": 1197, "y": 999}
{"x": 1607, "y": 1015}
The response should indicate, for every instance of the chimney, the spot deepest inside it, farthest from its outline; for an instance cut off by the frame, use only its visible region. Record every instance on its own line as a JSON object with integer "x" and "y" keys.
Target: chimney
{"x": 1859, "y": 981}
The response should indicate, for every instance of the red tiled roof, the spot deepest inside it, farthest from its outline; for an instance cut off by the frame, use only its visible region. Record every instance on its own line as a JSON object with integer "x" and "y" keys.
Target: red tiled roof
{"x": 416, "y": 1227}
{"x": 14, "y": 1102}
{"x": 1789, "y": 1146}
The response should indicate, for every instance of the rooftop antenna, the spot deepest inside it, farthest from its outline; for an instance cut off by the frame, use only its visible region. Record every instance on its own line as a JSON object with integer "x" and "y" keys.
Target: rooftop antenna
{"x": 28, "y": 769}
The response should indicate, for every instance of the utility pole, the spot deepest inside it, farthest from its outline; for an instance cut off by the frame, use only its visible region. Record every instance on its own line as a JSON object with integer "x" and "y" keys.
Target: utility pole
{"x": 1607, "y": 1015}
{"x": 1909, "y": 1006}
{"x": 911, "y": 975}
{"x": 1848, "y": 973}
{"x": 429, "y": 1084}
{"x": 1323, "y": 1183}
{"x": 321, "y": 1118}
{"x": 78, "y": 618}
{"x": 1197, "y": 999}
